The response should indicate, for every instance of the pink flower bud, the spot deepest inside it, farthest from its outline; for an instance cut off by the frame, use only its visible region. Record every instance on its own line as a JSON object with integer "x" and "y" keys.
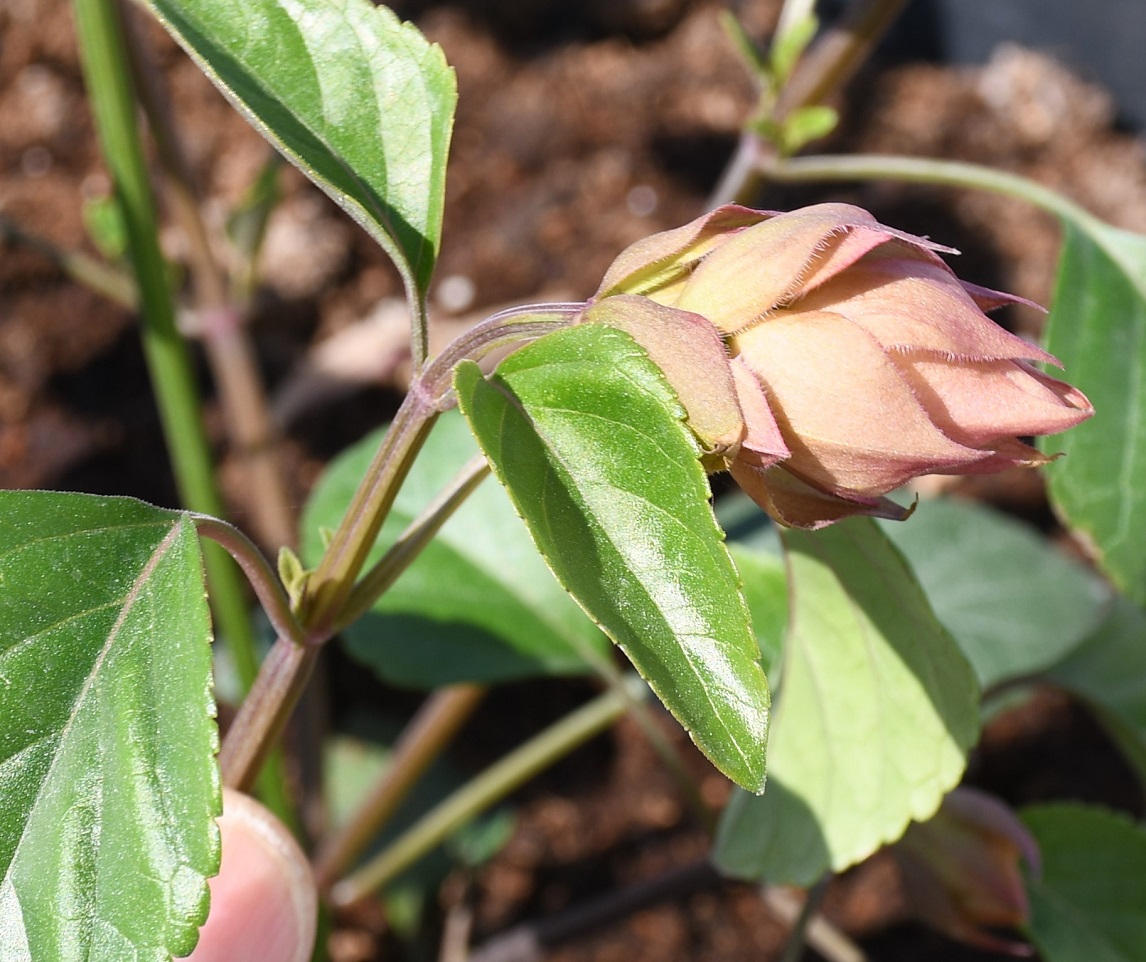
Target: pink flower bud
{"x": 856, "y": 358}
{"x": 961, "y": 870}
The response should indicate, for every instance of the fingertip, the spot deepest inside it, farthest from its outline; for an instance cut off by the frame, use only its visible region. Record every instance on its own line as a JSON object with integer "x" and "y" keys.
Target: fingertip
{"x": 263, "y": 901}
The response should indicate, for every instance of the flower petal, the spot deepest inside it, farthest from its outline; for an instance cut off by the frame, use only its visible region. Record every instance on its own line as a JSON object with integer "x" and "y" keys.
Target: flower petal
{"x": 792, "y": 502}
{"x": 773, "y": 261}
{"x": 651, "y": 262}
{"x": 980, "y": 402}
{"x": 763, "y": 443}
{"x": 851, "y": 420}
{"x": 693, "y": 359}
{"x": 911, "y": 302}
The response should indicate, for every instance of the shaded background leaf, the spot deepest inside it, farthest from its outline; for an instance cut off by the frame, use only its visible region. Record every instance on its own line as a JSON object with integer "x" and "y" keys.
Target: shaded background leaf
{"x": 478, "y": 604}
{"x": 1012, "y": 602}
{"x": 108, "y": 771}
{"x": 1089, "y": 904}
{"x": 1097, "y": 328}
{"x": 362, "y": 103}
{"x": 1108, "y": 672}
{"x": 585, "y": 434}
{"x": 876, "y": 710}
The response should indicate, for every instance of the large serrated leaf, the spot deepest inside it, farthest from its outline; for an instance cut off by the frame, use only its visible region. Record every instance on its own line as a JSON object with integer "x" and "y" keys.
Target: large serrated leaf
{"x": 478, "y": 604}
{"x": 1013, "y": 603}
{"x": 1089, "y": 903}
{"x": 1097, "y": 328}
{"x": 107, "y": 769}
{"x": 876, "y": 711}
{"x": 585, "y": 434}
{"x": 355, "y": 98}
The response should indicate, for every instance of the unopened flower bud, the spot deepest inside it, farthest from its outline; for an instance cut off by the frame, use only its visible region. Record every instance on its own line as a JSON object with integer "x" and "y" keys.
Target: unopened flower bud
{"x": 854, "y": 356}
{"x": 961, "y": 870}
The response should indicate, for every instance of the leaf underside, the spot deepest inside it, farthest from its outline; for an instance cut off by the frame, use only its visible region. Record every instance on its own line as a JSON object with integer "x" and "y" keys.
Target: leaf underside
{"x": 876, "y": 711}
{"x": 362, "y": 103}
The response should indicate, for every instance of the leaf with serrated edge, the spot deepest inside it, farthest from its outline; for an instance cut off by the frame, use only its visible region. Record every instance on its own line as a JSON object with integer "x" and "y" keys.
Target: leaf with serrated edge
{"x": 360, "y": 102}
{"x": 586, "y": 436}
{"x": 107, "y": 765}
{"x": 478, "y": 604}
{"x": 876, "y": 711}
{"x": 1089, "y": 902}
{"x": 1097, "y": 328}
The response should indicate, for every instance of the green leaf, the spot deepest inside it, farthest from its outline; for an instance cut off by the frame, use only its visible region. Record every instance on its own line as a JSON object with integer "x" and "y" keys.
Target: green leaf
{"x": 1097, "y": 328}
{"x": 478, "y": 604}
{"x": 746, "y": 47}
{"x": 585, "y": 434}
{"x": 876, "y": 710}
{"x": 1089, "y": 904}
{"x": 1108, "y": 672}
{"x": 803, "y": 126}
{"x": 765, "y": 589}
{"x": 360, "y": 102}
{"x": 107, "y": 766}
{"x": 1013, "y": 603}
{"x": 788, "y": 47}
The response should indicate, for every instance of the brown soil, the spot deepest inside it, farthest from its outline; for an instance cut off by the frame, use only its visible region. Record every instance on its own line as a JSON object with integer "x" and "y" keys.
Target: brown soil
{"x": 580, "y": 129}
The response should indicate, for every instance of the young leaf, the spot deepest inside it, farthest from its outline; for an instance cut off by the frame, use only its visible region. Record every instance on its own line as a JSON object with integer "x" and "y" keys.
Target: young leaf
{"x": 1097, "y": 328}
{"x": 479, "y": 602}
{"x": 1089, "y": 904}
{"x": 803, "y": 126}
{"x": 1013, "y": 603}
{"x": 587, "y": 438}
{"x": 876, "y": 711}
{"x": 356, "y": 99}
{"x": 107, "y": 766}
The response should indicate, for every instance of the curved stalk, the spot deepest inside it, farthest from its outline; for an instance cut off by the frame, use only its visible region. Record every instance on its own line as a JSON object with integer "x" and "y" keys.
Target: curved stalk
{"x": 924, "y": 170}
{"x": 330, "y": 586}
{"x": 267, "y": 587}
{"x": 420, "y": 532}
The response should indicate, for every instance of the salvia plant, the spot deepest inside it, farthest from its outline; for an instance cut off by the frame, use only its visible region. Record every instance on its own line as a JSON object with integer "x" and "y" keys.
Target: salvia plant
{"x": 835, "y": 674}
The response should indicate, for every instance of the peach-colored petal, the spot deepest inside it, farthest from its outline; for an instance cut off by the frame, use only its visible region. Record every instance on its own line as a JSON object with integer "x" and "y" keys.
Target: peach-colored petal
{"x": 908, "y": 303}
{"x": 850, "y": 419}
{"x": 766, "y": 264}
{"x": 693, "y": 359}
{"x": 647, "y": 265}
{"x": 987, "y": 299}
{"x": 980, "y": 402}
{"x": 763, "y": 443}
{"x": 792, "y": 502}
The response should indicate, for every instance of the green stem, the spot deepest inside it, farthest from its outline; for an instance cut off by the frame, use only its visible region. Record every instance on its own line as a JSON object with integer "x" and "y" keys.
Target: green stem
{"x": 419, "y": 533}
{"x": 798, "y": 936}
{"x": 422, "y": 741}
{"x": 265, "y": 711}
{"x": 823, "y": 70}
{"x": 268, "y": 589}
{"x": 924, "y": 170}
{"x": 172, "y": 377}
{"x": 491, "y": 786}
{"x": 332, "y": 582}
{"x": 110, "y": 282}
{"x": 835, "y": 57}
